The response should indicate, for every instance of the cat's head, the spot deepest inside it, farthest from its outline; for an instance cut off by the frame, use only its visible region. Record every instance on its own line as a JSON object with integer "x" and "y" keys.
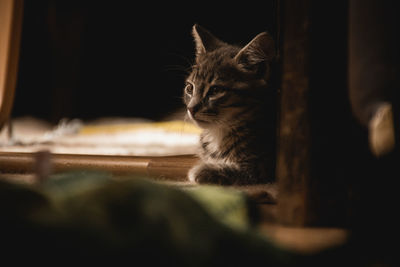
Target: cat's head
{"x": 226, "y": 81}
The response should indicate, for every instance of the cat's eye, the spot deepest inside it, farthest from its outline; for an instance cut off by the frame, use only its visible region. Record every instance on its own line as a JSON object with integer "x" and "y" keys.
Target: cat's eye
{"x": 189, "y": 89}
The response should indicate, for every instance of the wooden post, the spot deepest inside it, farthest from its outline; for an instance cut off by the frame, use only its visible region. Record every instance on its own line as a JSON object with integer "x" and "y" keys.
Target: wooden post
{"x": 293, "y": 160}
{"x": 10, "y": 34}
{"x": 315, "y": 115}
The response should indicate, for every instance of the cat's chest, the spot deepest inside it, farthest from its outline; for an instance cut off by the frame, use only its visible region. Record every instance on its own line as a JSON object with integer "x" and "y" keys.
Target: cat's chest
{"x": 215, "y": 146}
{"x": 211, "y": 143}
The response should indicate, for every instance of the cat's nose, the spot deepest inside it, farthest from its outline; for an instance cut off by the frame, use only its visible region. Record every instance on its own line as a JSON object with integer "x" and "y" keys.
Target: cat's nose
{"x": 193, "y": 109}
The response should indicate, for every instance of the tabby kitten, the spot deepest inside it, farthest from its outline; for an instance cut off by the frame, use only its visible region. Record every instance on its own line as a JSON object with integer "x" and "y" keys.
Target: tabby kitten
{"x": 228, "y": 95}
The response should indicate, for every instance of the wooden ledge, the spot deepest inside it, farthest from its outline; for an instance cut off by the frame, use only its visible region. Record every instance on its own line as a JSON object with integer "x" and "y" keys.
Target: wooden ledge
{"x": 161, "y": 168}
{"x": 27, "y": 168}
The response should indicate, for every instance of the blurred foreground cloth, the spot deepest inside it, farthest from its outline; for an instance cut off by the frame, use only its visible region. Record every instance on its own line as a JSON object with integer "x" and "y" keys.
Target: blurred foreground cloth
{"x": 88, "y": 216}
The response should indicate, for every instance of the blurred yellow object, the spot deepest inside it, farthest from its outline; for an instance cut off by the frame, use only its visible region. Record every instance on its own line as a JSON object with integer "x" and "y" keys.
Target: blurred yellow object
{"x": 168, "y": 126}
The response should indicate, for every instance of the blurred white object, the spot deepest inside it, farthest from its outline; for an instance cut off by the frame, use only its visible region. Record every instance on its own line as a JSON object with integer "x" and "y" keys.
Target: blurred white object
{"x": 381, "y": 131}
{"x": 104, "y": 137}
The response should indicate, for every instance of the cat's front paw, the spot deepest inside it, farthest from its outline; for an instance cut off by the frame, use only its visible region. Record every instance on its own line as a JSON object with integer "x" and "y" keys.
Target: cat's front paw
{"x": 192, "y": 174}
{"x": 206, "y": 174}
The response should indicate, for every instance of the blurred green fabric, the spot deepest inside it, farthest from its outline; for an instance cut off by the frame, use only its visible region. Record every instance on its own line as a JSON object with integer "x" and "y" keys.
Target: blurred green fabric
{"x": 91, "y": 216}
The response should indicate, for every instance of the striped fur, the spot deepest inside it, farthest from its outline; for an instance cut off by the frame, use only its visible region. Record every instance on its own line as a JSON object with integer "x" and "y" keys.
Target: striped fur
{"x": 228, "y": 95}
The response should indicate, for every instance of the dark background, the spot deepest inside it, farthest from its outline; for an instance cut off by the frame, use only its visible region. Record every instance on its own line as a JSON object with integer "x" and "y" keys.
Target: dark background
{"x": 86, "y": 59}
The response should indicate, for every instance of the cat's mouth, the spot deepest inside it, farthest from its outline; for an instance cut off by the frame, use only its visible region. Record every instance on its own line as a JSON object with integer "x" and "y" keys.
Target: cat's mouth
{"x": 199, "y": 122}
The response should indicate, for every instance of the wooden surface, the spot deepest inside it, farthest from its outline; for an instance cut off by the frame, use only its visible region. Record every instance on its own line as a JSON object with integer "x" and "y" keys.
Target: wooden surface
{"x": 293, "y": 161}
{"x": 10, "y": 32}
{"x": 170, "y": 167}
{"x": 314, "y": 140}
{"x": 32, "y": 167}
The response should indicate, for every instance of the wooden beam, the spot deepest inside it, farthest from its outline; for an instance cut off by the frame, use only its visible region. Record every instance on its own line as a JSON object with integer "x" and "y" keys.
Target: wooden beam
{"x": 161, "y": 168}
{"x": 293, "y": 160}
{"x": 10, "y": 34}
{"x": 315, "y": 115}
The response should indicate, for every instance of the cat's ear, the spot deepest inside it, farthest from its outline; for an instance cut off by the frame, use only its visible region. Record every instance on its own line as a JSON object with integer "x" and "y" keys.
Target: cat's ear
{"x": 258, "y": 51}
{"x": 204, "y": 40}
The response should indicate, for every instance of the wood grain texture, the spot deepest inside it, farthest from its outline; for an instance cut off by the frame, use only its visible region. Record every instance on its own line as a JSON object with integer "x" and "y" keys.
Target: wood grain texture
{"x": 10, "y": 34}
{"x": 293, "y": 160}
{"x": 169, "y": 167}
{"x": 315, "y": 126}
